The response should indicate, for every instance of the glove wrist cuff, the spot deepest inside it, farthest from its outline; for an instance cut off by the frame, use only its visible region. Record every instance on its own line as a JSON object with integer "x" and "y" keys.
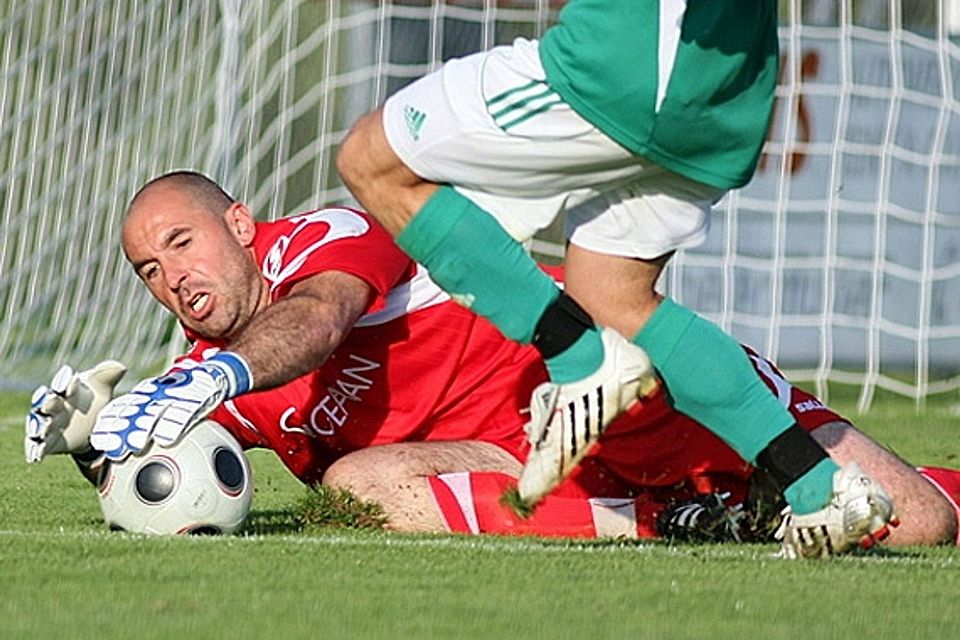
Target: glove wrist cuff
{"x": 238, "y": 375}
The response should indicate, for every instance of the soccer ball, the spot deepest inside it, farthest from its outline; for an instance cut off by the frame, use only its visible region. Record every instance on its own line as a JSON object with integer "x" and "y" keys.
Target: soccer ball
{"x": 200, "y": 485}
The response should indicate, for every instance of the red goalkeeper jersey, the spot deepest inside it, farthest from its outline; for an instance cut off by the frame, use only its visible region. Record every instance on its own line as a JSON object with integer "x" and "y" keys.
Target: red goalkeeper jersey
{"x": 416, "y": 367}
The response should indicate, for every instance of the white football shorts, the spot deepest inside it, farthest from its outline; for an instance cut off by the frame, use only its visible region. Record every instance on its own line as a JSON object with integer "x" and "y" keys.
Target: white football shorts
{"x": 489, "y": 125}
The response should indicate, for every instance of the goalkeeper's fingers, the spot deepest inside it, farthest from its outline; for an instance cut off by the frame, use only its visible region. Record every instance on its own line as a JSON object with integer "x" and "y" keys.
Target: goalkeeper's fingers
{"x": 32, "y": 450}
{"x": 61, "y": 415}
{"x": 64, "y": 381}
{"x": 92, "y": 389}
{"x": 46, "y": 409}
{"x": 126, "y": 424}
{"x": 104, "y": 377}
{"x": 192, "y": 396}
{"x": 33, "y": 437}
{"x": 177, "y": 419}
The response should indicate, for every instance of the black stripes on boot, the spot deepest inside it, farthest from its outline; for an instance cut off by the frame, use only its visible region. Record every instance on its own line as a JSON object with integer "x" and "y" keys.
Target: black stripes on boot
{"x": 562, "y": 324}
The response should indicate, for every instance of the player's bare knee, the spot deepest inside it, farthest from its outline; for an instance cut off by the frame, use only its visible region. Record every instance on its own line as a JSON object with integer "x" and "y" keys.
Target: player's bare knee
{"x": 926, "y": 516}
{"x": 365, "y": 160}
{"x": 925, "y": 519}
{"x": 339, "y": 474}
{"x": 950, "y": 529}
{"x": 355, "y": 472}
{"x": 367, "y": 471}
{"x": 942, "y": 523}
{"x": 378, "y": 178}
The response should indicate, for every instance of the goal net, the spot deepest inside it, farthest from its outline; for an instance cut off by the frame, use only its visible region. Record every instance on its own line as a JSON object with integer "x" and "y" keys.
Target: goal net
{"x": 841, "y": 260}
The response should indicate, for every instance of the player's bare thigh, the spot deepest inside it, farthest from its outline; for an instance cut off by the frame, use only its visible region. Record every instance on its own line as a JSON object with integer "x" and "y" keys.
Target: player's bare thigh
{"x": 926, "y": 516}
{"x": 617, "y": 292}
{"x": 620, "y": 240}
{"x": 381, "y": 182}
{"x": 395, "y": 476}
{"x": 445, "y": 129}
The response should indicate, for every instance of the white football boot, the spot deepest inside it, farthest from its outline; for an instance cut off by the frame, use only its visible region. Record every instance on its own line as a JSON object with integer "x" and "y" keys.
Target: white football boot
{"x": 567, "y": 419}
{"x": 859, "y": 514}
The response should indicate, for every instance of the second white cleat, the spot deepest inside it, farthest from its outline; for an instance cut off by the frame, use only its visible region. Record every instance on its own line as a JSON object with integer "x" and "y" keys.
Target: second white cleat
{"x": 859, "y": 514}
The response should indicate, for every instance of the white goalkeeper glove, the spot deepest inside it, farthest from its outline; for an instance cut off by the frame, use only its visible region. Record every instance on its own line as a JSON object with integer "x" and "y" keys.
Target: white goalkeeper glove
{"x": 61, "y": 416}
{"x": 164, "y": 408}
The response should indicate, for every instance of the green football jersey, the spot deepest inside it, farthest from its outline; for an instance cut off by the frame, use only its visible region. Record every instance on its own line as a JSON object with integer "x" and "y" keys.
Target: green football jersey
{"x": 694, "y": 96}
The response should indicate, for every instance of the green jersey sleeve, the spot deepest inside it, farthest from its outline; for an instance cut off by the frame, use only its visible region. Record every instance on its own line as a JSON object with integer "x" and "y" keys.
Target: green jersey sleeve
{"x": 689, "y": 85}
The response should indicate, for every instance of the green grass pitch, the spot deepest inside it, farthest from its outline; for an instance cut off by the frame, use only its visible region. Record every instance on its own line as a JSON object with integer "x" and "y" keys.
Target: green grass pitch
{"x": 62, "y": 575}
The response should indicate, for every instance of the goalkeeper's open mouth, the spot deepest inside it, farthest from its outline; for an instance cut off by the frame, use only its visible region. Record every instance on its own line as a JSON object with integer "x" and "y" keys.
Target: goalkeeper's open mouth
{"x": 198, "y": 306}
{"x": 198, "y": 301}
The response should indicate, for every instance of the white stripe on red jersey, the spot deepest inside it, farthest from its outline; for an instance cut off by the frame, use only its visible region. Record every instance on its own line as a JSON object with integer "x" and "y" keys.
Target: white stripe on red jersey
{"x": 420, "y": 292}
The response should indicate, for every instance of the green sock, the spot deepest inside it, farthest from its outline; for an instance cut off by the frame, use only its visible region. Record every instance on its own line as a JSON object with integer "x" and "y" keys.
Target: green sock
{"x": 812, "y": 490}
{"x": 710, "y": 378}
{"x": 472, "y": 258}
{"x": 582, "y": 358}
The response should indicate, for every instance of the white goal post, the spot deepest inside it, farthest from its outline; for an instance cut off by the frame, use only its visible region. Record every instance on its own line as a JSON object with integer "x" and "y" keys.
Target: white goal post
{"x": 841, "y": 259}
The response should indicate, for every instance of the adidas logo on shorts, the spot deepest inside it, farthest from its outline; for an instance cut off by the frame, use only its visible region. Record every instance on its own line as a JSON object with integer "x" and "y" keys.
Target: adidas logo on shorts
{"x": 414, "y": 119}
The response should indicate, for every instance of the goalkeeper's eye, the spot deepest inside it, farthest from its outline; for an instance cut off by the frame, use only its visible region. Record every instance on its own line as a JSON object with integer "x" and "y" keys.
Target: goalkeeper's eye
{"x": 149, "y": 272}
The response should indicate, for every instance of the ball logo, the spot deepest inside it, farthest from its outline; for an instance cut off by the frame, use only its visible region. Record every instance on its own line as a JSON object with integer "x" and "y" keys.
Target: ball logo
{"x": 199, "y": 500}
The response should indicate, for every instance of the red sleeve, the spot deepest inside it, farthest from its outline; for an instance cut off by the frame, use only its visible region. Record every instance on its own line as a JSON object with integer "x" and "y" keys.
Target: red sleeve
{"x": 806, "y": 408}
{"x": 333, "y": 239}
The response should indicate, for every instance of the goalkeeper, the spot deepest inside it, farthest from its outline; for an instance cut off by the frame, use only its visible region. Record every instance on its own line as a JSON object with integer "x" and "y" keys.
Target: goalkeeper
{"x": 634, "y": 118}
{"x": 316, "y": 337}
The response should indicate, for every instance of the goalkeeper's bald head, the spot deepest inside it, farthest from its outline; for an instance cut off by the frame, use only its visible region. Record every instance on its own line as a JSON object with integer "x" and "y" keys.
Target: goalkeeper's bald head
{"x": 206, "y": 194}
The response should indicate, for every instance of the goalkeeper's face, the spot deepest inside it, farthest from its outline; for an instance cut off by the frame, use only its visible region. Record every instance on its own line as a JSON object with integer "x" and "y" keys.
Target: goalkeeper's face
{"x": 197, "y": 263}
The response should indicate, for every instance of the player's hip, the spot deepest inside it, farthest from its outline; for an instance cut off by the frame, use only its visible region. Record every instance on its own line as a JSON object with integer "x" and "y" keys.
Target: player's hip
{"x": 490, "y": 122}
